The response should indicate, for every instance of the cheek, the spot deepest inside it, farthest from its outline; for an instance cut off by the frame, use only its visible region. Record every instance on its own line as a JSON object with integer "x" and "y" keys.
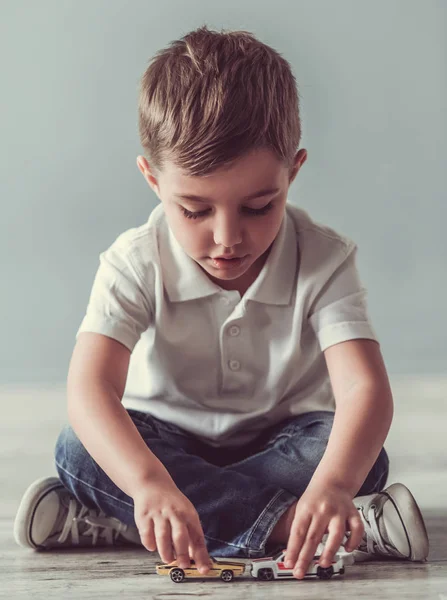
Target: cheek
{"x": 188, "y": 233}
{"x": 266, "y": 231}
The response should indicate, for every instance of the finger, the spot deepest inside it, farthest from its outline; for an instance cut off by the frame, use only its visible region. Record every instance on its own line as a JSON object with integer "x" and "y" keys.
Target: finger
{"x": 147, "y": 536}
{"x": 162, "y": 530}
{"x": 337, "y": 527}
{"x": 357, "y": 530}
{"x": 198, "y": 546}
{"x": 297, "y": 536}
{"x": 309, "y": 549}
{"x": 180, "y": 541}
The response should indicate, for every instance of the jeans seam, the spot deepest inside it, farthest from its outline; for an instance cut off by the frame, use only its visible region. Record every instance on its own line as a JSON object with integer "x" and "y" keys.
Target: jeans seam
{"x": 262, "y": 516}
{"x": 93, "y": 487}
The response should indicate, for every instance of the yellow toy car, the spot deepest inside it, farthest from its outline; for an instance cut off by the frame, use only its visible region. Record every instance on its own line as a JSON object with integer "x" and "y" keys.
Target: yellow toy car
{"x": 224, "y": 569}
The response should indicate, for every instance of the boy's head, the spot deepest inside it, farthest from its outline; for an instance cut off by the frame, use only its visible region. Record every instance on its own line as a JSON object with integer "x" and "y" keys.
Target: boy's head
{"x": 219, "y": 119}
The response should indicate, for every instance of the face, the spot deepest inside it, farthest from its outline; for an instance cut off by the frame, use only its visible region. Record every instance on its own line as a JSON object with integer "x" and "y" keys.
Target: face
{"x": 237, "y": 211}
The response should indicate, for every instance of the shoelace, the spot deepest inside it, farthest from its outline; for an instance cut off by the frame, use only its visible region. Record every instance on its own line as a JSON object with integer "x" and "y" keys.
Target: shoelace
{"x": 372, "y": 532}
{"x": 110, "y": 525}
{"x": 373, "y": 536}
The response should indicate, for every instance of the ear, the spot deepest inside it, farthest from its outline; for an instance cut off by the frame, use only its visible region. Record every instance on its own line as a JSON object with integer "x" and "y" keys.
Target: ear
{"x": 300, "y": 159}
{"x": 147, "y": 173}
{"x": 142, "y": 164}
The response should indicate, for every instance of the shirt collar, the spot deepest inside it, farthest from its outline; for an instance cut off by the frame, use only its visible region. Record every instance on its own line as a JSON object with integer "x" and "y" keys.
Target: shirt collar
{"x": 185, "y": 280}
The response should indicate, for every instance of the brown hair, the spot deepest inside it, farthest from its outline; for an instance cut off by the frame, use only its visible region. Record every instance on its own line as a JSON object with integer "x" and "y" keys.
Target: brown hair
{"x": 211, "y": 97}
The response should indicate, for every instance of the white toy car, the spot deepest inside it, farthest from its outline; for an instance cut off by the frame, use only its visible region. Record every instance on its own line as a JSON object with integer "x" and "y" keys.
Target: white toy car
{"x": 273, "y": 567}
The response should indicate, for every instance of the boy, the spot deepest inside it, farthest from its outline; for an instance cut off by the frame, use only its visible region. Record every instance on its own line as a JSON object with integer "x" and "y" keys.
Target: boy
{"x": 226, "y": 393}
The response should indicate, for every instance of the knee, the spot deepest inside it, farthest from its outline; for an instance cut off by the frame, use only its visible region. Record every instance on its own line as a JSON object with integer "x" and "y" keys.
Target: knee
{"x": 69, "y": 452}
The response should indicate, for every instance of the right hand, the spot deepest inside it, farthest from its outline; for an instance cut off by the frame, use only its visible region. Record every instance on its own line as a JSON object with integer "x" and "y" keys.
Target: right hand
{"x": 168, "y": 522}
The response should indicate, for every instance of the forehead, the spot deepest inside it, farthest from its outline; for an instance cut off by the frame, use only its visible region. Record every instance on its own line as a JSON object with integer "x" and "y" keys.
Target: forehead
{"x": 256, "y": 170}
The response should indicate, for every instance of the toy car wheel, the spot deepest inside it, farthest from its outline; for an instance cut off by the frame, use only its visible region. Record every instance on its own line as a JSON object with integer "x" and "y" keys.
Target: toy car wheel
{"x": 226, "y": 575}
{"x": 342, "y": 571}
{"x": 265, "y": 574}
{"x": 177, "y": 575}
{"x": 325, "y": 572}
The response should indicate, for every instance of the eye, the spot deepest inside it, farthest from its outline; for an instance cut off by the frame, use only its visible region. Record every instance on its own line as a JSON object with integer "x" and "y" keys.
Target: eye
{"x": 251, "y": 211}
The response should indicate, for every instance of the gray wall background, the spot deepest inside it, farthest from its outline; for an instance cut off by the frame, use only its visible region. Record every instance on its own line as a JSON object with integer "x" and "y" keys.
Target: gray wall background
{"x": 372, "y": 78}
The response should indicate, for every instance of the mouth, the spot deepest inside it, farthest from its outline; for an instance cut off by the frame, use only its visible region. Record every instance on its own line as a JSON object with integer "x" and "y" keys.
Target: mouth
{"x": 227, "y": 257}
{"x": 227, "y": 263}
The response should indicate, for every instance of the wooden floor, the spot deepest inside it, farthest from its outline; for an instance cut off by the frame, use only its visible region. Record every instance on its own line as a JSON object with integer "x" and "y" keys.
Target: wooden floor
{"x": 31, "y": 420}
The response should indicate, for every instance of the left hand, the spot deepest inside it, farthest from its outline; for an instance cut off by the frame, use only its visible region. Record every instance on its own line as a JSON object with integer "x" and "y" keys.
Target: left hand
{"x": 322, "y": 509}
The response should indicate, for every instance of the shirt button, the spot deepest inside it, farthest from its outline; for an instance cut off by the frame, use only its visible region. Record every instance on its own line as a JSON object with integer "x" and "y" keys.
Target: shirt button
{"x": 235, "y": 365}
{"x": 225, "y": 300}
{"x": 234, "y": 330}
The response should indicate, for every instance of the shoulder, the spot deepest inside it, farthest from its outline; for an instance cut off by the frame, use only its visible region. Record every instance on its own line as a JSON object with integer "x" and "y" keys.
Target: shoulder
{"x": 312, "y": 234}
{"x": 322, "y": 249}
{"x": 135, "y": 251}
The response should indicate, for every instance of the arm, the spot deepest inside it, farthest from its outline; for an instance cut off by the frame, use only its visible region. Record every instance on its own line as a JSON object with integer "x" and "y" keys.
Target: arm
{"x": 95, "y": 386}
{"x": 165, "y": 518}
{"x": 364, "y": 410}
{"x": 363, "y": 415}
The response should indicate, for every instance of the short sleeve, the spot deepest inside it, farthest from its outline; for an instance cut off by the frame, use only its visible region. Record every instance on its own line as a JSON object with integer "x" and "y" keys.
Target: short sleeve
{"x": 120, "y": 306}
{"x": 340, "y": 311}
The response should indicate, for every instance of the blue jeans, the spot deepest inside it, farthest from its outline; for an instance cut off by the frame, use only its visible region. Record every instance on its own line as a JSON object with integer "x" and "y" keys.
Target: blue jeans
{"x": 239, "y": 493}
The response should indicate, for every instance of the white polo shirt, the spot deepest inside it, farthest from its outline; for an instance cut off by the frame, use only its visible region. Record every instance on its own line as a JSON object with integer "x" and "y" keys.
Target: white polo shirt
{"x": 221, "y": 367}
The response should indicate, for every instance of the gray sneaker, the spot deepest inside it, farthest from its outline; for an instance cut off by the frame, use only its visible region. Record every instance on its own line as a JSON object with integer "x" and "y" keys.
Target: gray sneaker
{"x": 49, "y": 516}
{"x": 394, "y": 527}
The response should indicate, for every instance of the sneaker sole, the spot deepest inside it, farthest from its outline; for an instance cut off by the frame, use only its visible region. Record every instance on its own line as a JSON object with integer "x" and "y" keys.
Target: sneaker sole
{"x": 27, "y": 507}
{"x": 415, "y": 530}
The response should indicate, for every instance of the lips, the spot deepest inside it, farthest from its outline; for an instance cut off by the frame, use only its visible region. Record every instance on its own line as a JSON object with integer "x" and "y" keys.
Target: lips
{"x": 226, "y": 257}
{"x": 228, "y": 264}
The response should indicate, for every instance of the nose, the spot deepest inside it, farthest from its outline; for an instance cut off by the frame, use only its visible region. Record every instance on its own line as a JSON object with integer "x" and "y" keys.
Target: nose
{"x": 227, "y": 231}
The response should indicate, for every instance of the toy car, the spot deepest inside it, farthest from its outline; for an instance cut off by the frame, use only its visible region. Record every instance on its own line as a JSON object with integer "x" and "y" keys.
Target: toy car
{"x": 273, "y": 567}
{"x": 226, "y": 570}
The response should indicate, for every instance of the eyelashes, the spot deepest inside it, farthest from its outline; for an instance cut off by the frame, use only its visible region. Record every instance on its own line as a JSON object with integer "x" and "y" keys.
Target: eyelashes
{"x": 251, "y": 211}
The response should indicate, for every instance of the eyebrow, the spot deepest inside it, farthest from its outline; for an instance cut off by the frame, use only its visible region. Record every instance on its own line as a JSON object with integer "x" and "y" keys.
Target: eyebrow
{"x": 258, "y": 194}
